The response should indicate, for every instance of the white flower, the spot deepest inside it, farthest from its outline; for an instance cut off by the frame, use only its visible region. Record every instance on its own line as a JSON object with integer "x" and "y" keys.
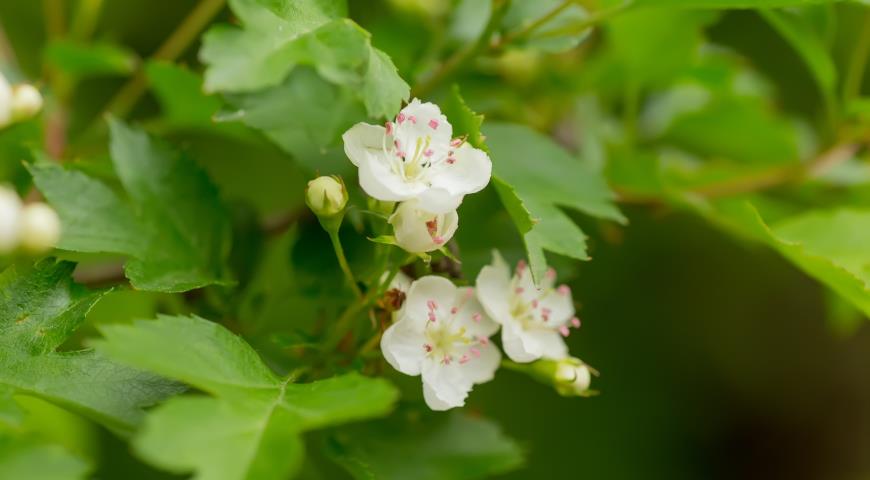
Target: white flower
{"x": 533, "y": 320}
{"x": 415, "y": 157}
{"x": 5, "y": 102}
{"x": 26, "y": 102}
{"x": 419, "y": 231}
{"x": 10, "y": 219}
{"x": 442, "y": 334}
{"x": 40, "y": 227}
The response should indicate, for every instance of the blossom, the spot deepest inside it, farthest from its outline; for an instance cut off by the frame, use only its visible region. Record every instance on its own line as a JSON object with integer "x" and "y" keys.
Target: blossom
{"x": 415, "y": 157}
{"x": 26, "y": 102}
{"x": 442, "y": 334}
{"x": 534, "y": 320}
{"x": 6, "y": 99}
{"x": 419, "y": 231}
{"x": 40, "y": 227}
{"x": 10, "y": 219}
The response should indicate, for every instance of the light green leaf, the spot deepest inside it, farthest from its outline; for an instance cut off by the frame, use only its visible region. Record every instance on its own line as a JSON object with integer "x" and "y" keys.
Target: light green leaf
{"x": 38, "y": 311}
{"x": 26, "y": 458}
{"x": 521, "y": 14}
{"x": 545, "y": 177}
{"x": 728, "y": 3}
{"x": 175, "y": 229}
{"x": 250, "y": 427}
{"x": 278, "y": 37}
{"x": 90, "y": 59}
{"x": 465, "y": 121}
{"x": 180, "y": 94}
{"x": 455, "y": 447}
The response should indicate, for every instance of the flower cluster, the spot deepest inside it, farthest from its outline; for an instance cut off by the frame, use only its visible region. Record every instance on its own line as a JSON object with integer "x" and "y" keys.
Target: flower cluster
{"x": 17, "y": 103}
{"x": 442, "y": 332}
{"x": 34, "y": 227}
{"x": 415, "y": 160}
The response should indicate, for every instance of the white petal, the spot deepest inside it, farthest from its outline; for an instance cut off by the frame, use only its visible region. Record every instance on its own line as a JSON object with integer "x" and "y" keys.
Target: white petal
{"x": 470, "y": 172}
{"x": 444, "y": 386}
{"x": 482, "y": 369}
{"x": 471, "y": 314}
{"x": 427, "y": 289}
{"x": 561, "y": 308}
{"x": 549, "y": 343}
{"x": 493, "y": 290}
{"x": 363, "y": 139}
{"x": 401, "y": 282}
{"x": 380, "y": 182}
{"x": 438, "y": 200}
{"x": 402, "y": 346}
{"x": 515, "y": 347}
{"x": 420, "y": 120}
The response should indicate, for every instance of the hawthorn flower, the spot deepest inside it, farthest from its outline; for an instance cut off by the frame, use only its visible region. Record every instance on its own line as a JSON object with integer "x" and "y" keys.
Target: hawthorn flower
{"x": 534, "y": 320}
{"x": 419, "y": 231}
{"x": 442, "y": 334}
{"x": 415, "y": 157}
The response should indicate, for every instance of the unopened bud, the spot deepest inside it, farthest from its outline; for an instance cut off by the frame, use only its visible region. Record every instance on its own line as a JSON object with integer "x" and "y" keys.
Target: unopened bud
{"x": 582, "y": 380}
{"x": 26, "y": 102}
{"x": 40, "y": 228}
{"x": 326, "y": 196}
{"x": 10, "y": 220}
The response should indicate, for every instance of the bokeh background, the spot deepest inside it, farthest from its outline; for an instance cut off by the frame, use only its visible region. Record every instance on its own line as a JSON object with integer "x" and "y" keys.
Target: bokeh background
{"x": 718, "y": 358}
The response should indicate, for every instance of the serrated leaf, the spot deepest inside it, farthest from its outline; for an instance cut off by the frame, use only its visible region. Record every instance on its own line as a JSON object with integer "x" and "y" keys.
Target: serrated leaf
{"x": 90, "y": 59}
{"x": 545, "y": 177}
{"x": 38, "y": 311}
{"x": 26, "y": 458}
{"x": 277, "y": 37}
{"x": 455, "y": 447}
{"x": 250, "y": 426}
{"x": 180, "y": 94}
{"x": 464, "y": 120}
{"x": 175, "y": 229}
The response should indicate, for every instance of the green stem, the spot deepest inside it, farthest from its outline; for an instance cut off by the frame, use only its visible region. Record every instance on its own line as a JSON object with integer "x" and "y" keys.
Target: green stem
{"x": 531, "y": 27}
{"x": 85, "y": 20}
{"x": 342, "y": 262}
{"x": 464, "y": 55}
{"x": 590, "y": 21}
{"x": 857, "y": 63}
{"x": 171, "y": 49}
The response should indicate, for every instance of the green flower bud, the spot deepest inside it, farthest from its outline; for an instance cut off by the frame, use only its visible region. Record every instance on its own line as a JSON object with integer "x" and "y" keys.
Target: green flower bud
{"x": 326, "y": 196}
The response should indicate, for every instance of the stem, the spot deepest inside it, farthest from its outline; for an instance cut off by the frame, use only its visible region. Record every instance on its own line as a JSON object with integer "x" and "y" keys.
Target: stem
{"x": 857, "y": 63}
{"x": 531, "y": 27}
{"x": 590, "y": 21}
{"x": 464, "y": 55}
{"x": 342, "y": 262}
{"x": 55, "y": 21}
{"x": 171, "y": 49}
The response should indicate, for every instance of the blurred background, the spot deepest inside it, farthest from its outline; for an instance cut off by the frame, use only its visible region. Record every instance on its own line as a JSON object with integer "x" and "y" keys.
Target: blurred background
{"x": 718, "y": 357}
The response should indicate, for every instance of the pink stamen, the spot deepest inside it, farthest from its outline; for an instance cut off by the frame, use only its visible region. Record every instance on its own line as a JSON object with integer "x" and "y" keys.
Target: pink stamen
{"x": 545, "y": 314}
{"x": 521, "y": 265}
{"x": 451, "y": 160}
{"x": 434, "y": 124}
{"x": 475, "y": 352}
{"x": 564, "y": 290}
{"x": 431, "y": 304}
{"x": 427, "y": 347}
{"x": 428, "y": 152}
{"x": 389, "y": 126}
{"x": 446, "y": 360}
{"x": 564, "y": 331}
{"x": 455, "y": 142}
{"x": 575, "y": 322}
{"x": 476, "y": 317}
{"x": 432, "y": 317}
{"x": 412, "y": 119}
{"x": 400, "y": 118}
{"x": 453, "y": 311}
{"x": 519, "y": 290}
{"x": 535, "y": 303}
{"x": 438, "y": 240}
{"x": 484, "y": 341}
{"x": 551, "y": 273}
{"x": 463, "y": 359}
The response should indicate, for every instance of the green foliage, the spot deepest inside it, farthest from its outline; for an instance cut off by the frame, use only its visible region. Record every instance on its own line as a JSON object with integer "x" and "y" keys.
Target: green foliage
{"x": 250, "y": 427}
{"x": 39, "y": 310}
{"x": 31, "y": 459}
{"x": 175, "y": 228}
{"x": 83, "y": 60}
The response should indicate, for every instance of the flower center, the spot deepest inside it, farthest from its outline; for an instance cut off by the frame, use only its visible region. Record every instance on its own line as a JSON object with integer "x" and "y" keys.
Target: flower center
{"x": 447, "y": 342}
{"x": 413, "y": 157}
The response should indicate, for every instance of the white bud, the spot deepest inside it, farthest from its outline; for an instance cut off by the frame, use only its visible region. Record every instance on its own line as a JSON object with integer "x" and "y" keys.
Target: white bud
{"x": 5, "y": 102}
{"x": 40, "y": 227}
{"x": 565, "y": 372}
{"x": 583, "y": 379}
{"x": 10, "y": 220}
{"x": 326, "y": 196}
{"x": 419, "y": 231}
{"x": 26, "y": 102}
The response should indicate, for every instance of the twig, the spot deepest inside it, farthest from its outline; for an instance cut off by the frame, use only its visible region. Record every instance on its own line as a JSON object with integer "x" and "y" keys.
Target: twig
{"x": 532, "y": 26}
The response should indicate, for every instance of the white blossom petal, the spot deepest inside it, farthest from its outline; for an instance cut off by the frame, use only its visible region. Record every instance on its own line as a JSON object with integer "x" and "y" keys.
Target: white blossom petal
{"x": 437, "y": 290}
{"x": 482, "y": 366}
{"x": 515, "y": 346}
{"x": 561, "y": 308}
{"x": 493, "y": 289}
{"x": 471, "y": 315}
{"x": 418, "y": 231}
{"x": 439, "y": 200}
{"x": 421, "y": 120}
{"x": 380, "y": 182}
{"x": 402, "y": 346}
{"x": 469, "y": 172}
{"x": 548, "y": 343}
{"x": 363, "y": 139}
{"x": 445, "y": 386}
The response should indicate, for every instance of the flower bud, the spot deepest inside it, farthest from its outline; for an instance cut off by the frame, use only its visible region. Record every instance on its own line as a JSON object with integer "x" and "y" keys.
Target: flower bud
{"x": 5, "y": 102}
{"x": 10, "y": 220}
{"x": 326, "y": 196}
{"x": 26, "y": 102}
{"x": 419, "y": 231}
{"x": 40, "y": 228}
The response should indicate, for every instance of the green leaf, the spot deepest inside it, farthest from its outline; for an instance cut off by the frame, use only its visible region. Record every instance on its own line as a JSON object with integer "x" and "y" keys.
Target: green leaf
{"x": 545, "y": 177}
{"x": 175, "y": 229}
{"x": 277, "y": 37}
{"x": 250, "y": 426}
{"x": 452, "y": 447}
{"x": 520, "y": 14}
{"x": 90, "y": 59}
{"x": 39, "y": 310}
{"x": 180, "y": 94}
{"x": 465, "y": 121}
{"x": 26, "y": 458}
{"x": 830, "y": 246}
{"x": 758, "y": 4}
